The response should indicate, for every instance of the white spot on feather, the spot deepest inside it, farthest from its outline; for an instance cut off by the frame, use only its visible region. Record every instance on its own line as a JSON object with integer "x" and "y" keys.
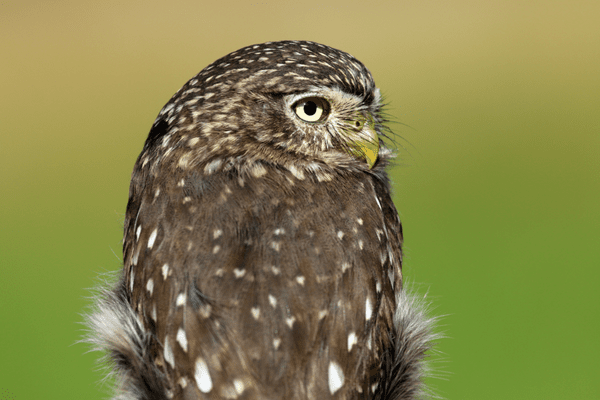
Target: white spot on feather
{"x": 290, "y": 321}
{"x": 345, "y": 266}
{"x": 374, "y": 387}
{"x": 255, "y": 312}
{"x": 336, "y": 377}
{"x": 165, "y": 271}
{"x": 217, "y": 233}
{"x": 184, "y": 161}
{"x": 131, "y": 278}
{"x": 202, "y": 376}
{"x": 378, "y": 203}
{"x": 205, "y": 311}
{"x": 239, "y": 386}
{"x": 257, "y": 170}
{"x": 391, "y": 278}
{"x": 368, "y": 309}
{"x": 152, "y": 238}
{"x": 340, "y": 235}
{"x": 182, "y": 339}
{"x": 383, "y": 257}
{"x": 352, "y": 340}
{"x": 239, "y": 272}
{"x": 300, "y": 279}
{"x": 168, "y": 353}
{"x": 272, "y": 301}
{"x": 137, "y": 232}
{"x": 181, "y": 298}
{"x": 150, "y": 286}
{"x": 276, "y": 343}
{"x": 136, "y": 255}
{"x": 298, "y": 173}
{"x": 212, "y": 166}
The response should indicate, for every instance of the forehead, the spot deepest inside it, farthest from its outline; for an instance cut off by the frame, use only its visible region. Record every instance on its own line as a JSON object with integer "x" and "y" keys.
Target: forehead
{"x": 286, "y": 67}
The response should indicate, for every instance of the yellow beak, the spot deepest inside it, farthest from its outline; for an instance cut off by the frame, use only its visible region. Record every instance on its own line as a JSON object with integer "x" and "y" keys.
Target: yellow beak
{"x": 365, "y": 143}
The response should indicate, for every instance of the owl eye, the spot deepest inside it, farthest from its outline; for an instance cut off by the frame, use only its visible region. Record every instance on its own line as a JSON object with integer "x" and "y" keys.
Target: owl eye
{"x": 311, "y": 109}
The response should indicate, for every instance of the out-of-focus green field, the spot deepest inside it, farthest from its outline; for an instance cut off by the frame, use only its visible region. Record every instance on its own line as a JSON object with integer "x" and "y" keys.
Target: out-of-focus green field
{"x": 497, "y": 179}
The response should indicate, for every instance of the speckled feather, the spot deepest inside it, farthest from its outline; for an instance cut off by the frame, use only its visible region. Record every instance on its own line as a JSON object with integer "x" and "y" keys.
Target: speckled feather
{"x": 262, "y": 260}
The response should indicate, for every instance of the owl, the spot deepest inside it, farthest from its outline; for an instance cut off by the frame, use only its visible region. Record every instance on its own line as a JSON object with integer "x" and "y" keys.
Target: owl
{"x": 262, "y": 251}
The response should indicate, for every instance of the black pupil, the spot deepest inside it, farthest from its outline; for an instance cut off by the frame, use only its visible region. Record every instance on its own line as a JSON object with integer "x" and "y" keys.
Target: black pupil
{"x": 310, "y": 108}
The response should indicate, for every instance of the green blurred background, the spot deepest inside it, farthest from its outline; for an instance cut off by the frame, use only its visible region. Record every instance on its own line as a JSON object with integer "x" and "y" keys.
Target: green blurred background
{"x": 497, "y": 182}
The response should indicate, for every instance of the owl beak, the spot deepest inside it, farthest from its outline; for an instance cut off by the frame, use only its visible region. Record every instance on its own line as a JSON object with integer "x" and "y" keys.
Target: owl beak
{"x": 364, "y": 144}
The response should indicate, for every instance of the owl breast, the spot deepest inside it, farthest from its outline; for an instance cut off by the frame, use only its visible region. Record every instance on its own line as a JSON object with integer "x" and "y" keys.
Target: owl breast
{"x": 261, "y": 280}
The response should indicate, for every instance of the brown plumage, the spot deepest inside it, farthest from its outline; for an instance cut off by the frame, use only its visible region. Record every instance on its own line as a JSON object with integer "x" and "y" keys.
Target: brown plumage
{"x": 262, "y": 250}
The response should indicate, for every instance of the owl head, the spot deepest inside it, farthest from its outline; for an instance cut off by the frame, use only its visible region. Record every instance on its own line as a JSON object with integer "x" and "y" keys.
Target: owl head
{"x": 301, "y": 105}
